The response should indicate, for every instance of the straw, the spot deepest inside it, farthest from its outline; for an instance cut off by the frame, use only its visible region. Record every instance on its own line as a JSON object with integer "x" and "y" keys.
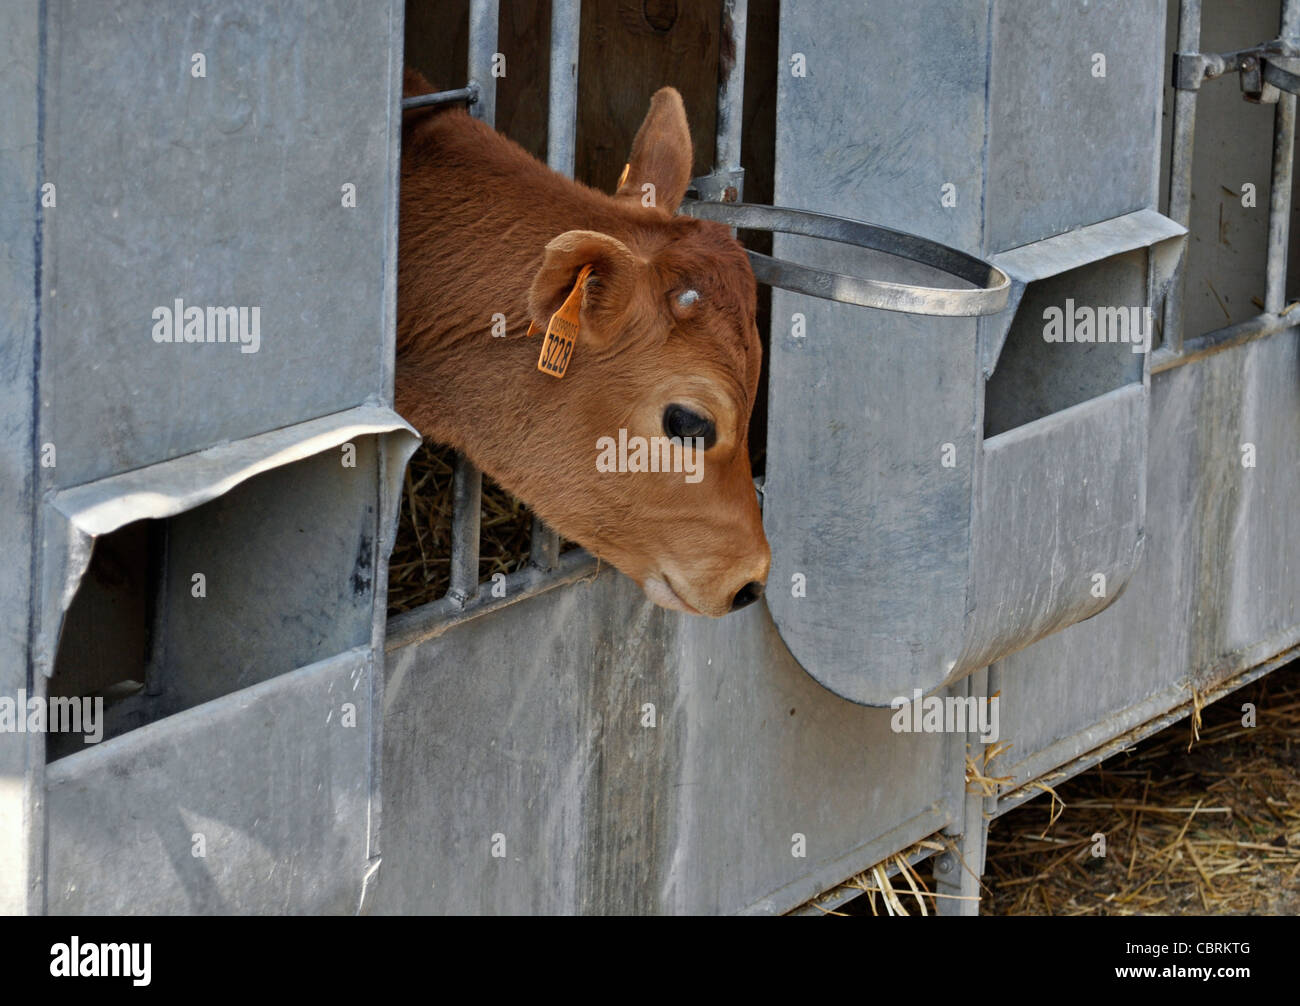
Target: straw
{"x": 1211, "y": 830}
{"x": 420, "y": 566}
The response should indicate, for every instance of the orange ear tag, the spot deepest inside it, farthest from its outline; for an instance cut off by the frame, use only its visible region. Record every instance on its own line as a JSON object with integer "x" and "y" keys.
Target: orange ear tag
{"x": 623, "y": 177}
{"x": 562, "y": 331}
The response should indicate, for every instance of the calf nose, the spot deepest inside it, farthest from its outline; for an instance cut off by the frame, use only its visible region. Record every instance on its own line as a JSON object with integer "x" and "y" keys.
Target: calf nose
{"x": 747, "y": 595}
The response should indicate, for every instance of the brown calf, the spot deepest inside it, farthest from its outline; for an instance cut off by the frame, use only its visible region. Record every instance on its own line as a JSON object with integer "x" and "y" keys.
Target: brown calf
{"x": 667, "y": 346}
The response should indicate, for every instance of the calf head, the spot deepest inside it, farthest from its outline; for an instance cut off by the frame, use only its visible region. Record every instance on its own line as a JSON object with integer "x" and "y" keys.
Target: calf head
{"x": 667, "y": 348}
{"x": 664, "y": 375}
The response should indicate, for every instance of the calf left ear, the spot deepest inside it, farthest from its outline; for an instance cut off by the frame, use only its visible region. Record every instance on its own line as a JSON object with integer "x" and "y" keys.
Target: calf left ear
{"x": 659, "y": 171}
{"x": 610, "y": 286}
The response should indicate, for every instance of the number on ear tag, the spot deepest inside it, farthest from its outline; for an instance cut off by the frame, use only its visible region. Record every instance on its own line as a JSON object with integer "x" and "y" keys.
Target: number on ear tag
{"x": 562, "y": 331}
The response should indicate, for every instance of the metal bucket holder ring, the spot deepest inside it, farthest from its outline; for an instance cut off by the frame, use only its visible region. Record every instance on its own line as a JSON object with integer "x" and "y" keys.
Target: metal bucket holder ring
{"x": 992, "y": 285}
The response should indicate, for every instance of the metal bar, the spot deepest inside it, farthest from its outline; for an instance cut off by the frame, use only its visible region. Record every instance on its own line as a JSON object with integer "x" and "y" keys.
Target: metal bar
{"x": 467, "y": 491}
{"x": 432, "y": 620}
{"x": 467, "y": 94}
{"x": 467, "y": 497}
{"x": 562, "y": 115}
{"x": 1279, "y": 197}
{"x": 1182, "y": 144}
{"x": 731, "y": 101}
{"x": 726, "y": 182}
{"x": 561, "y": 142}
{"x": 991, "y": 290}
{"x": 483, "y": 21}
{"x": 1279, "y": 203}
{"x": 544, "y": 550}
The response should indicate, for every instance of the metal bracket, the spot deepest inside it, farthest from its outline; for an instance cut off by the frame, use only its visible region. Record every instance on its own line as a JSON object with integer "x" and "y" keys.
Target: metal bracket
{"x": 1262, "y": 79}
{"x": 721, "y": 186}
{"x": 991, "y": 285}
{"x": 1283, "y": 80}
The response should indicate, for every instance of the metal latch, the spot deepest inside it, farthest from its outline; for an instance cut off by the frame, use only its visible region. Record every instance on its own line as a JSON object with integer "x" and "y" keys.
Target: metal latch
{"x": 1262, "y": 78}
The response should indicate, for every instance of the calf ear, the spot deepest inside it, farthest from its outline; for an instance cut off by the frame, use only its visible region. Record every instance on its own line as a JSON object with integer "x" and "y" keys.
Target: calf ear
{"x": 610, "y": 287}
{"x": 661, "y": 154}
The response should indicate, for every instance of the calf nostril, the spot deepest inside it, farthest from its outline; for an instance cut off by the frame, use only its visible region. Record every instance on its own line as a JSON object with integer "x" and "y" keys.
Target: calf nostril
{"x": 747, "y": 595}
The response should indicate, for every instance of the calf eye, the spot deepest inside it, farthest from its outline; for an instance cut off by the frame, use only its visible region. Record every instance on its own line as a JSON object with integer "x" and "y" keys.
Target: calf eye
{"x": 680, "y": 421}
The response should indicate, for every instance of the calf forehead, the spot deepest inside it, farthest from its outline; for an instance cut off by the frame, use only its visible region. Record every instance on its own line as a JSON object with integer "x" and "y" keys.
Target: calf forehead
{"x": 702, "y": 255}
{"x": 704, "y": 252}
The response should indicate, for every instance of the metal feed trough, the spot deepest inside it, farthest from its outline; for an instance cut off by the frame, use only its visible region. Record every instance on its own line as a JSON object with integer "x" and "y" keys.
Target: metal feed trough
{"x": 958, "y": 505}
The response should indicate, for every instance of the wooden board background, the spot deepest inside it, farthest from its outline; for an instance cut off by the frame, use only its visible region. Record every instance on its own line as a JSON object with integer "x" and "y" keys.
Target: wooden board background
{"x": 628, "y": 49}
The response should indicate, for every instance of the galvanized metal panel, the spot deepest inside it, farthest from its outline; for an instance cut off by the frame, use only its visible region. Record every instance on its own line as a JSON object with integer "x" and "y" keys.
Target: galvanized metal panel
{"x": 1262, "y": 589}
{"x": 1066, "y": 147}
{"x": 542, "y": 742}
{"x": 1061, "y": 501}
{"x": 855, "y": 497}
{"x": 272, "y": 777}
{"x": 1146, "y": 229}
{"x": 220, "y": 190}
{"x": 79, "y": 515}
{"x": 859, "y": 497}
{"x": 290, "y": 559}
{"x": 21, "y": 762}
{"x": 1218, "y": 589}
{"x": 1035, "y": 378}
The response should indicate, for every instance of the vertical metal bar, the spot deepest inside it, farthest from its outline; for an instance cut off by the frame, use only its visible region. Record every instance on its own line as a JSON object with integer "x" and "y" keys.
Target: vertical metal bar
{"x": 562, "y": 117}
{"x": 1279, "y": 198}
{"x": 726, "y": 182}
{"x": 483, "y": 21}
{"x": 1182, "y": 145}
{"x": 561, "y": 141}
{"x": 467, "y": 497}
{"x": 731, "y": 97}
{"x": 467, "y": 485}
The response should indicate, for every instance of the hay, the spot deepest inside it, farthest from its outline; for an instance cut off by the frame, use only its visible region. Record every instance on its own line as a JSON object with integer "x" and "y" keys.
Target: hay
{"x": 420, "y": 566}
{"x": 878, "y": 882}
{"x": 1210, "y": 830}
